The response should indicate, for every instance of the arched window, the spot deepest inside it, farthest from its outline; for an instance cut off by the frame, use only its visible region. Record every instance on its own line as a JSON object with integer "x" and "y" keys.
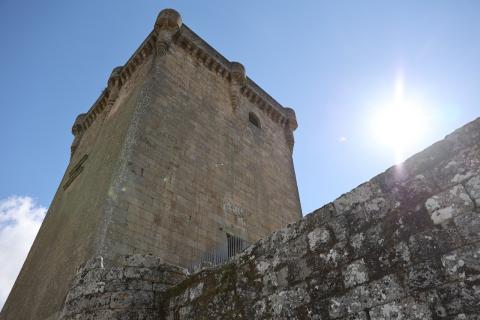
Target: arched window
{"x": 252, "y": 117}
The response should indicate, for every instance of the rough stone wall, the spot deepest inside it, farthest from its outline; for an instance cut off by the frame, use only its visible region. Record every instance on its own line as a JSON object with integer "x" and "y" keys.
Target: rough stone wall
{"x": 126, "y": 292}
{"x": 404, "y": 245}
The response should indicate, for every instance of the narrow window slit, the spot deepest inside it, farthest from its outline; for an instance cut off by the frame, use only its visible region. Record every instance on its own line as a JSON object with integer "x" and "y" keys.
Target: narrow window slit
{"x": 252, "y": 117}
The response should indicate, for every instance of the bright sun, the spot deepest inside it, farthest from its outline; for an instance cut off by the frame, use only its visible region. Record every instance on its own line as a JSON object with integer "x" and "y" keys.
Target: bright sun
{"x": 400, "y": 124}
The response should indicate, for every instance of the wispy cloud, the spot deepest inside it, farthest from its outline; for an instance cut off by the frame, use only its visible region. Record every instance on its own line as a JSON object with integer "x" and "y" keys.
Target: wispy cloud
{"x": 20, "y": 219}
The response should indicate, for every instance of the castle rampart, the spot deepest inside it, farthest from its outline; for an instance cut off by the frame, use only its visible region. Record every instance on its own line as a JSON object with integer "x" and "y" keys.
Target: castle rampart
{"x": 405, "y": 245}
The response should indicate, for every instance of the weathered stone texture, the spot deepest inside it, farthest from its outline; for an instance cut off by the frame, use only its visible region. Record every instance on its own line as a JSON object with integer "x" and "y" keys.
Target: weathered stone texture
{"x": 404, "y": 245}
{"x": 378, "y": 252}
{"x": 199, "y": 169}
{"x": 126, "y": 292}
{"x": 182, "y": 149}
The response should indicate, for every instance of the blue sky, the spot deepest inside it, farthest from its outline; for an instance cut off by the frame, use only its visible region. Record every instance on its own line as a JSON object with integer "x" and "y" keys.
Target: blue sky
{"x": 334, "y": 62}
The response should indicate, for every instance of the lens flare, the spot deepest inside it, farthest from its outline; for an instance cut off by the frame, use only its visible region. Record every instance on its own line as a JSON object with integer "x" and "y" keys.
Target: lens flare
{"x": 399, "y": 124}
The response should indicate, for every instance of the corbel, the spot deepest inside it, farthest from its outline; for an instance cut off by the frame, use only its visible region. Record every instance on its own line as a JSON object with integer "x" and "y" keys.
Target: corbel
{"x": 238, "y": 81}
{"x": 78, "y": 129}
{"x": 113, "y": 88}
{"x": 291, "y": 125}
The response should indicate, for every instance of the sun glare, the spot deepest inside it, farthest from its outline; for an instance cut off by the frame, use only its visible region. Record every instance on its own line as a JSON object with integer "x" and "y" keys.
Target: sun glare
{"x": 400, "y": 123}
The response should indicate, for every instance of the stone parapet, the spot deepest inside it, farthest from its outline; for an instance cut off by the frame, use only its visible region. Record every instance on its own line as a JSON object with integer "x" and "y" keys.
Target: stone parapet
{"x": 128, "y": 291}
{"x": 405, "y": 245}
{"x": 169, "y": 30}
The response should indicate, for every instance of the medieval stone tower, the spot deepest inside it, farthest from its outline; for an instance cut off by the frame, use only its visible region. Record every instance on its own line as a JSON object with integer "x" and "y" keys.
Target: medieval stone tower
{"x": 180, "y": 153}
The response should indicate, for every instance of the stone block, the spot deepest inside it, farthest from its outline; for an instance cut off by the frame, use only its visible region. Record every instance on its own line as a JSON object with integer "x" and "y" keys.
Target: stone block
{"x": 116, "y": 285}
{"x": 462, "y": 264}
{"x": 402, "y": 253}
{"x": 357, "y": 218}
{"x": 88, "y": 303}
{"x": 85, "y": 289}
{"x": 336, "y": 257}
{"x": 336, "y": 224}
{"x": 465, "y": 136}
{"x": 160, "y": 287}
{"x": 132, "y": 299}
{"x": 296, "y": 249}
{"x": 173, "y": 269}
{"x": 460, "y": 297}
{"x": 463, "y": 316}
{"x": 120, "y": 314}
{"x": 358, "y": 195}
{"x": 366, "y": 296}
{"x": 468, "y": 226}
{"x": 94, "y": 263}
{"x": 137, "y": 284}
{"x": 407, "y": 309}
{"x": 355, "y": 273}
{"x": 401, "y": 224}
{"x": 365, "y": 242}
{"x": 433, "y": 243}
{"x": 382, "y": 261}
{"x": 428, "y": 158}
{"x": 141, "y": 273}
{"x": 425, "y": 275}
{"x": 384, "y": 290}
{"x": 339, "y": 228}
{"x": 324, "y": 284}
{"x": 319, "y": 239}
{"x": 298, "y": 270}
{"x": 448, "y": 204}
{"x": 458, "y": 169}
{"x": 409, "y": 193}
{"x": 114, "y": 273}
{"x": 473, "y": 188}
{"x": 377, "y": 208}
{"x": 283, "y": 303}
{"x": 319, "y": 217}
{"x": 358, "y": 316}
{"x": 357, "y": 242}
{"x": 95, "y": 275}
{"x": 274, "y": 280}
{"x": 195, "y": 291}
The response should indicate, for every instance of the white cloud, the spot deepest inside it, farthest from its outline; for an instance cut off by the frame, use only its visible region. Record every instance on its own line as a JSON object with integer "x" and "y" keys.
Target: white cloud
{"x": 20, "y": 219}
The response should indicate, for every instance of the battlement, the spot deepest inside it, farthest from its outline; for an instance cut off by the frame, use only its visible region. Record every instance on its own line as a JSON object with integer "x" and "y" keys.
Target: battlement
{"x": 196, "y": 47}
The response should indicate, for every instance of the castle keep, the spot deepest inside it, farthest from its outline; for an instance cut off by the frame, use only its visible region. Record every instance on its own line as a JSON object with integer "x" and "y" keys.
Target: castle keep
{"x": 182, "y": 154}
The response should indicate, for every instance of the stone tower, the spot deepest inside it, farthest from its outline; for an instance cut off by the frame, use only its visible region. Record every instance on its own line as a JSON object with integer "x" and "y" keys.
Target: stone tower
{"x": 180, "y": 153}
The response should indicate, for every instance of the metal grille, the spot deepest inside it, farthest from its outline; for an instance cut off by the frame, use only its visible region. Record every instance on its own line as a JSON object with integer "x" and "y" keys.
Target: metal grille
{"x": 220, "y": 254}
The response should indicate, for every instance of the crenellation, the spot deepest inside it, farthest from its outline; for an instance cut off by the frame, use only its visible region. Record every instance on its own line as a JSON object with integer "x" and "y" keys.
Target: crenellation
{"x": 170, "y": 30}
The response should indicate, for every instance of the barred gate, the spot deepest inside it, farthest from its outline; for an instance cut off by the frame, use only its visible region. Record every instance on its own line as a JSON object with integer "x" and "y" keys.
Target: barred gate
{"x": 220, "y": 254}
